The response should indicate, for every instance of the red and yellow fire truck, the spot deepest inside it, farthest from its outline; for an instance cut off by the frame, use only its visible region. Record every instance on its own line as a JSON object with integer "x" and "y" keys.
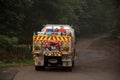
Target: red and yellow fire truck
{"x": 54, "y": 46}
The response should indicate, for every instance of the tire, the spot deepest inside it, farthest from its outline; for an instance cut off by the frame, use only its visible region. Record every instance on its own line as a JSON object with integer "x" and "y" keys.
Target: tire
{"x": 73, "y": 64}
{"x": 68, "y": 69}
{"x": 42, "y": 68}
{"x": 37, "y": 68}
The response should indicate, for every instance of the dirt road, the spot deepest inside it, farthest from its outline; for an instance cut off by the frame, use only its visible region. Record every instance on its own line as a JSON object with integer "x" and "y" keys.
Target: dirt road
{"x": 95, "y": 61}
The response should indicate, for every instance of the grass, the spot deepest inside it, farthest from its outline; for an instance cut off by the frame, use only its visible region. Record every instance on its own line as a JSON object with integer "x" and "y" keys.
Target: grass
{"x": 20, "y": 55}
{"x": 22, "y": 63}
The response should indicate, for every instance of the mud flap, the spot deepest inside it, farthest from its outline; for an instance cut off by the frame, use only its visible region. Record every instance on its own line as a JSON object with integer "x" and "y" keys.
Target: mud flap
{"x": 67, "y": 63}
{"x": 39, "y": 61}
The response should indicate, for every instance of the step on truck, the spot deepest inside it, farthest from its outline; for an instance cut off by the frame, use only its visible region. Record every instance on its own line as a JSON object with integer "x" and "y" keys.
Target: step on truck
{"x": 54, "y": 46}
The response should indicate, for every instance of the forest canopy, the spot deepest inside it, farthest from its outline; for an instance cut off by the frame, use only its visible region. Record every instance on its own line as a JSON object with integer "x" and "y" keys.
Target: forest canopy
{"x": 20, "y": 18}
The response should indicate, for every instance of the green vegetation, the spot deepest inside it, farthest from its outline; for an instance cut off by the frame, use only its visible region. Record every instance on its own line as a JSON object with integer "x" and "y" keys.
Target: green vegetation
{"x": 22, "y": 63}
{"x": 18, "y": 53}
{"x": 20, "y": 18}
{"x": 7, "y": 43}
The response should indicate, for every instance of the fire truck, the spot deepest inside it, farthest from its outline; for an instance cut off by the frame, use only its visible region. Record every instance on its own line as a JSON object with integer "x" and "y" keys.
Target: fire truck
{"x": 54, "y": 46}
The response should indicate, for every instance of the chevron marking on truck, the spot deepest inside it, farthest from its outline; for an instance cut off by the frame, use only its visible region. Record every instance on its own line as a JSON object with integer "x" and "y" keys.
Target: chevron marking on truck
{"x": 54, "y": 38}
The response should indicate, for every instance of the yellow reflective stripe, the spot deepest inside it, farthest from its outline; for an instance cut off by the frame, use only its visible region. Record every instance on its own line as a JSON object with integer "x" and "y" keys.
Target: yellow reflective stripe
{"x": 37, "y": 38}
{"x": 69, "y": 38}
{"x": 41, "y": 38}
{"x": 54, "y": 38}
{"x": 45, "y": 38}
{"x": 65, "y": 38}
{"x": 62, "y": 39}
{"x": 49, "y": 38}
{"x": 58, "y": 39}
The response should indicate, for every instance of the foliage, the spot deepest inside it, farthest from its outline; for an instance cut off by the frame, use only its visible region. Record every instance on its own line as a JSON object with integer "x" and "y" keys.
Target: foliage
{"x": 7, "y": 43}
{"x": 21, "y": 63}
{"x": 18, "y": 53}
{"x": 22, "y": 17}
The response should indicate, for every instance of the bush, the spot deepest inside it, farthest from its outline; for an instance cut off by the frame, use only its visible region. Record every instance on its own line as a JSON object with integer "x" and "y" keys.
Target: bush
{"x": 11, "y": 52}
{"x": 118, "y": 37}
{"x": 7, "y": 43}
